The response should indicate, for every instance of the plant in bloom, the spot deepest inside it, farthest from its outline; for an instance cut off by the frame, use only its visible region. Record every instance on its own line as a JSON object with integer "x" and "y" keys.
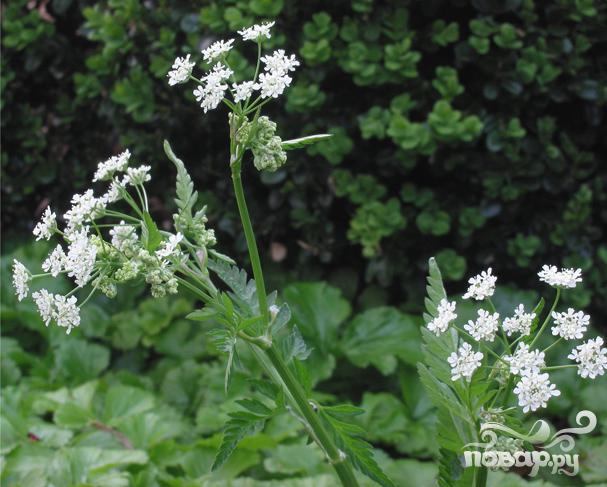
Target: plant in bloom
{"x": 446, "y": 314}
{"x": 519, "y": 323}
{"x": 485, "y": 326}
{"x": 464, "y": 362}
{"x": 516, "y": 363}
{"x": 570, "y": 325}
{"x": 591, "y": 357}
{"x": 496, "y": 370}
{"x": 534, "y": 390}
{"x": 563, "y": 278}
{"x": 109, "y": 238}
{"x": 481, "y": 286}
{"x": 524, "y": 360}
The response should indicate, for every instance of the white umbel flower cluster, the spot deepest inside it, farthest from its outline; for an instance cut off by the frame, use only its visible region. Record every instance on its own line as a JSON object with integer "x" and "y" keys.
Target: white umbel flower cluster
{"x": 257, "y": 32}
{"x": 21, "y": 278}
{"x": 446, "y": 314}
{"x": 525, "y": 361}
{"x": 47, "y": 225}
{"x": 591, "y": 357}
{"x": 519, "y": 323}
{"x": 55, "y": 307}
{"x": 213, "y": 86}
{"x": 213, "y": 89}
{"x": 485, "y": 326}
{"x": 137, "y": 176}
{"x": 107, "y": 169}
{"x": 85, "y": 208}
{"x": 564, "y": 278}
{"x": 534, "y": 390}
{"x": 464, "y": 362}
{"x": 181, "y": 70}
{"x": 275, "y": 79}
{"x": 217, "y": 49}
{"x": 80, "y": 259}
{"x": 570, "y": 325}
{"x": 481, "y": 286}
{"x": 56, "y": 262}
{"x": 244, "y": 90}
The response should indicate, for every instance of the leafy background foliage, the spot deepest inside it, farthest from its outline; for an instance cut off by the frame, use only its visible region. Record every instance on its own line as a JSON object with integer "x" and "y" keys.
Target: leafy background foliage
{"x": 466, "y": 130}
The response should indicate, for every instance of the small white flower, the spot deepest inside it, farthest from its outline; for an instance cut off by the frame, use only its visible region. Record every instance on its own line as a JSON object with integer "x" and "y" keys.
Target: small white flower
{"x": 465, "y": 362}
{"x": 273, "y": 85}
{"x": 212, "y": 91}
{"x": 570, "y": 325}
{"x": 105, "y": 170}
{"x": 80, "y": 259}
{"x": 168, "y": 247}
{"x": 46, "y": 226}
{"x": 137, "y": 175}
{"x": 257, "y": 32}
{"x": 592, "y": 358}
{"x": 485, "y": 326}
{"x": 113, "y": 193}
{"x": 66, "y": 312}
{"x": 182, "y": 69}
{"x": 21, "y": 278}
{"x": 217, "y": 49}
{"x": 525, "y": 360}
{"x": 45, "y": 302}
{"x": 124, "y": 237}
{"x": 55, "y": 262}
{"x": 85, "y": 207}
{"x": 534, "y": 390}
{"x": 519, "y": 323}
{"x": 243, "y": 90}
{"x": 481, "y": 286}
{"x": 275, "y": 78}
{"x": 565, "y": 278}
{"x": 446, "y": 314}
{"x": 278, "y": 63}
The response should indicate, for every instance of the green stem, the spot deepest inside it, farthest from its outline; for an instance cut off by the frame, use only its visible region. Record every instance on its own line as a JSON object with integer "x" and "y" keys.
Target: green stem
{"x": 482, "y": 345}
{"x": 251, "y": 243}
{"x": 547, "y": 320}
{"x": 295, "y": 390}
{"x": 336, "y": 457}
{"x": 556, "y": 342}
{"x": 558, "y": 367}
{"x": 504, "y": 337}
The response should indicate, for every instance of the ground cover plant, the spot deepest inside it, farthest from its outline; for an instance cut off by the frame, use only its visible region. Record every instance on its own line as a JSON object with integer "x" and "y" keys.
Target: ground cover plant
{"x": 179, "y": 367}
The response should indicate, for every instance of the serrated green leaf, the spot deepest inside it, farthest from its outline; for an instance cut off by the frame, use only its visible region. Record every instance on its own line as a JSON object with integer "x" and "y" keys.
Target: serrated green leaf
{"x": 186, "y": 196}
{"x": 294, "y": 347}
{"x": 202, "y": 314}
{"x": 348, "y": 437}
{"x": 255, "y": 406}
{"x": 239, "y": 425}
{"x": 303, "y": 141}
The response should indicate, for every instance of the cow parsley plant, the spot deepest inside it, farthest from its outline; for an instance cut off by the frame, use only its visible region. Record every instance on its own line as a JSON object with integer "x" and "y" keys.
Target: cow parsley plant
{"x": 108, "y": 237}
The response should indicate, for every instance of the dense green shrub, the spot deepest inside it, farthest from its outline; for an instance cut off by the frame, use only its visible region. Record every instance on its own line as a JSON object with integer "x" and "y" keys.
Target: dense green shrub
{"x": 469, "y": 125}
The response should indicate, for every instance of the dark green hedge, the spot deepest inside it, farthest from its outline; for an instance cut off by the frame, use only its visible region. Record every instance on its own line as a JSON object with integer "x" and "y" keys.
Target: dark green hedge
{"x": 470, "y": 130}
